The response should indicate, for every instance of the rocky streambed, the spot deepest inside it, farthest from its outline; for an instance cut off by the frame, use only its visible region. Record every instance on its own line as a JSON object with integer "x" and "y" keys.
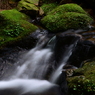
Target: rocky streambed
{"x": 68, "y": 20}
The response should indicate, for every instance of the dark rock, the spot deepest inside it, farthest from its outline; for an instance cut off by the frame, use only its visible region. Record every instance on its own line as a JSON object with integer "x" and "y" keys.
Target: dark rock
{"x": 63, "y": 83}
{"x": 83, "y": 50}
{"x": 69, "y": 67}
{"x": 63, "y": 41}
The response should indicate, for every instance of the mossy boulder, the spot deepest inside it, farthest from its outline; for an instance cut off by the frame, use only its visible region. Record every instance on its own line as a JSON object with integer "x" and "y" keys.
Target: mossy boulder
{"x": 14, "y": 26}
{"x": 83, "y": 81}
{"x": 67, "y": 8}
{"x": 29, "y": 7}
{"x": 68, "y": 20}
{"x": 67, "y": 16}
{"x": 48, "y": 7}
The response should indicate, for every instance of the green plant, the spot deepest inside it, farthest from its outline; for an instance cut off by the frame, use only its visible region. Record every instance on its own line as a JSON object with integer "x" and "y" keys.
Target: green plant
{"x": 83, "y": 88}
{"x": 13, "y": 30}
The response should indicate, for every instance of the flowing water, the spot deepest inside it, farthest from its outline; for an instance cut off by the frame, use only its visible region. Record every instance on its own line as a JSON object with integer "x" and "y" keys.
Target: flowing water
{"x": 55, "y": 75}
{"x": 28, "y": 77}
{"x": 35, "y": 64}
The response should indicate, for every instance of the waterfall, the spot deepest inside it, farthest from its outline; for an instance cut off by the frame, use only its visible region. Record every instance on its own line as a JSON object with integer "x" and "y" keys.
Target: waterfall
{"x": 35, "y": 62}
{"x": 55, "y": 75}
{"x": 28, "y": 78}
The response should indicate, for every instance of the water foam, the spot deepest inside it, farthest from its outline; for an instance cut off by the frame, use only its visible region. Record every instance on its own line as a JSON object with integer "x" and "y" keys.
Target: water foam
{"x": 27, "y": 86}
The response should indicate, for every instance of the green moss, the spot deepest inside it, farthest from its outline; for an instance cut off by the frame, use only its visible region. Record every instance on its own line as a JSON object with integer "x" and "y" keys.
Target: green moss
{"x": 14, "y": 26}
{"x": 67, "y": 8}
{"x": 48, "y": 7}
{"x": 68, "y": 20}
{"x": 27, "y": 5}
{"x": 67, "y": 16}
{"x": 12, "y": 15}
{"x": 83, "y": 83}
{"x": 30, "y": 1}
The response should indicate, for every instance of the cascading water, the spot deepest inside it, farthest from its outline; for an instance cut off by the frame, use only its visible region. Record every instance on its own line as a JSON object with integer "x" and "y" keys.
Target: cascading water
{"x": 27, "y": 78}
{"x": 35, "y": 62}
{"x": 55, "y": 75}
{"x": 34, "y": 65}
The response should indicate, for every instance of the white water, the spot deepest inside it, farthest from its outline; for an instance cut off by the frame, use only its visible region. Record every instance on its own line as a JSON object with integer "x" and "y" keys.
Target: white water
{"x": 35, "y": 65}
{"x": 55, "y": 75}
{"x": 35, "y": 62}
{"x": 29, "y": 87}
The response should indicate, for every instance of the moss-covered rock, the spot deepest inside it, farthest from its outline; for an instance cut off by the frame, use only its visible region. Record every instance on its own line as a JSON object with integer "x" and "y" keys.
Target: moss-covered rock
{"x": 14, "y": 26}
{"x": 67, "y": 16}
{"x": 83, "y": 81}
{"x": 28, "y": 6}
{"x": 68, "y": 20}
{"x": 48, "y": 7}
{"x": 67, "y": 8}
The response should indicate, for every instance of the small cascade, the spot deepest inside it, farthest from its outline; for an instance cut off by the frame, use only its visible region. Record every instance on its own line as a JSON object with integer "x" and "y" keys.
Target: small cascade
{"x": 35, "y": 62}
{"x": 28, "y": 78}
{"x": 55, "y": 75}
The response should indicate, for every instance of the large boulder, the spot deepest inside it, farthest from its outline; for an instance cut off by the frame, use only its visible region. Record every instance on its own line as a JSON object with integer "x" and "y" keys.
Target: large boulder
{"x": 14, "y": 26}
{"x": 30, "y": 7}
{"x": 67, "y": 16}
{"x": 83, "y": 80}
{"x": 67, "y": 8}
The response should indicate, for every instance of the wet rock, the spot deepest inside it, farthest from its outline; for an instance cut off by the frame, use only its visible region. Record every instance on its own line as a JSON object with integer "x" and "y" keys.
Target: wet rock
{"x": 62, "y": 83}
{"x": 83, "y": 50}
{"x": 69, "y": 69}
{"x": 63, "y": 41}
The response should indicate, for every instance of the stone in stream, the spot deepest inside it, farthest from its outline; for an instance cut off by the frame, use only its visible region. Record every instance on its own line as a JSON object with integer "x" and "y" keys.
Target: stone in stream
{"x": 83, "y": 50}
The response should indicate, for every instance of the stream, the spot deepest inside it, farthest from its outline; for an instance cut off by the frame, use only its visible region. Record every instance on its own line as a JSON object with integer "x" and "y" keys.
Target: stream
{"x": 37, "y": 71}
